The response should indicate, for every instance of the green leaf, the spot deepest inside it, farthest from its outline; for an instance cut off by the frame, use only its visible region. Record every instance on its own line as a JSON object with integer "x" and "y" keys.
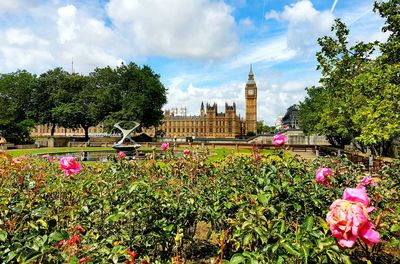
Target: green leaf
{"x": 247, "y": 239}
{"x": 305, "y": 252}
{"x": 395, "y": 228}
{"x": 263, "y": 198}
{"x": 324, "y": 224}
{"x": 3, "y": 235}
{"x": 282, "y": 229}
{"x": 73, "y": 260}
{"x": 309, "y": 223}
{"x": 237, "y": 259}
{"x": 281, "y": 260}
{"x": 42, "y": 223}
{"x": 10, "y": 256}
{"x": 56, "y": 236}
{"x": 289, "y": 249}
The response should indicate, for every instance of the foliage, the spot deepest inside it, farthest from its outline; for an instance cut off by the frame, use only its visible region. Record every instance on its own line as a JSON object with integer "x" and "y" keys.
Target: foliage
{"x": 46, "y": 95}
{"x": 15, "y": 100}
{"x": 357, "y": 100}
{"x": 267, "y": 209}
{"x": 137, "y": 95}
{"x": 56, "y": 97}
{"x": 262, "y": 128}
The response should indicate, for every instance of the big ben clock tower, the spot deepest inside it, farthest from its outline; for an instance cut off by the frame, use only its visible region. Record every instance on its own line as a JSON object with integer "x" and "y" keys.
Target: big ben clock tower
{"x": 251, "y": 103}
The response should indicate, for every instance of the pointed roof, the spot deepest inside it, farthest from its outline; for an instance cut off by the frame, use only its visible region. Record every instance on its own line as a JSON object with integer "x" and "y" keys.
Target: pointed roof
{"x": 251, "y": 76}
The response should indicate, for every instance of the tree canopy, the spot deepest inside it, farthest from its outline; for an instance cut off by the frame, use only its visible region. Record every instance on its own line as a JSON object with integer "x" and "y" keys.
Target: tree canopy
{"x": 56, "y": 97}
{"x": 15, "y": 101}
{"x": 358, "y": 97}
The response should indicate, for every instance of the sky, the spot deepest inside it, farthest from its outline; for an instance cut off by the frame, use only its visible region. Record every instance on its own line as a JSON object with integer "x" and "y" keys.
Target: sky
{"x": 202, "y": 49}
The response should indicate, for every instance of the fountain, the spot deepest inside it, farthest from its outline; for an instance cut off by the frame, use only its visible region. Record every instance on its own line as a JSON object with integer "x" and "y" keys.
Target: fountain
{"x": 122, "y": 145}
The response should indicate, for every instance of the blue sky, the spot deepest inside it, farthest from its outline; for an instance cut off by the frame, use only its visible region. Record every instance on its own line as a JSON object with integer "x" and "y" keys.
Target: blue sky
{"x": 201, "y": 48}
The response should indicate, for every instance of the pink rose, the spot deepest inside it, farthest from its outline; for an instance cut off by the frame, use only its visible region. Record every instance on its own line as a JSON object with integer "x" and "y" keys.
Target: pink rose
{"x": 187, "y": 152}
{"x": 321, "y": 176}
{"x": 69, "y": 166}
{"x": 367, "y": 180}
{"x": 164, "y": 146}
{"x": 369, "y": 235}
{"x": 121, "y": 155}
{"x": 280, "y": 140}
{"x": 358, "y": 194}
{"x": 349, "y": 220}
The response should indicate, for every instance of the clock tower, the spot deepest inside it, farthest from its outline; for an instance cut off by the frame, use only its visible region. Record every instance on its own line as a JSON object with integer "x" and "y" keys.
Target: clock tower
{"x": 251, "y": 103}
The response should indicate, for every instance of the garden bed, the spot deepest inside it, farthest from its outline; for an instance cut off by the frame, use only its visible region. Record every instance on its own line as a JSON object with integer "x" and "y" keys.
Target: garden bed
{"x": 241, "y": 209}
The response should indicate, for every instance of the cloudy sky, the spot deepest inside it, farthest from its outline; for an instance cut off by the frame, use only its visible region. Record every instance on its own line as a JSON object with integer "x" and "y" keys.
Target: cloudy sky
{"x": 201, "y": 48}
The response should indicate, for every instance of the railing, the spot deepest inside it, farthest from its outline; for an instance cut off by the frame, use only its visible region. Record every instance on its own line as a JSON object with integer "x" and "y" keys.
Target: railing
{"x": 370, "y": 162}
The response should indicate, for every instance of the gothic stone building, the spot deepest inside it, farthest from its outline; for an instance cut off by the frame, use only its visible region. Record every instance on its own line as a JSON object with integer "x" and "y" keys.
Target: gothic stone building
{"x": 210, "y": 123}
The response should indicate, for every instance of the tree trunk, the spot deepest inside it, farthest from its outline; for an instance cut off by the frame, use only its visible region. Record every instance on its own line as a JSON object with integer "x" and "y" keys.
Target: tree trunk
{"x": 86, "y": 133}
{"x": 53, "y": 129}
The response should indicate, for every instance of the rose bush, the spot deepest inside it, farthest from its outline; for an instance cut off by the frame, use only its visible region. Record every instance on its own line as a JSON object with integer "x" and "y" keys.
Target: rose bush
{"x": 265, "y": 210}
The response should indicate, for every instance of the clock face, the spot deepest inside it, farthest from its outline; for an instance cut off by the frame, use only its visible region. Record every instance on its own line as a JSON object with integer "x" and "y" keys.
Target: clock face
{"x": 250, "y": 92}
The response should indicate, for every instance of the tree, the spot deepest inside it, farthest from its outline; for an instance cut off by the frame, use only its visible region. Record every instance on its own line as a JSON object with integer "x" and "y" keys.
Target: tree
{"x": 262, "y": 128}
{"x": 328, "y": 109}
{"x": 358, "y": 97}
{"x": 138, "y": 96}
{"x": 377, "y": 111}
{"x": 390, "y": 11}
{"x": 78, "y": 104}
{"x": 46, "y": 96}
{"x": 15, "y": 102}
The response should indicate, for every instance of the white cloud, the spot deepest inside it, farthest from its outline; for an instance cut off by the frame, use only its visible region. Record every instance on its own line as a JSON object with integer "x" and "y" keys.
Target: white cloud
{"x": 305, "y": 25}
{"x": 176, "y": 28}
{"x": 24, "y": 57}
{"x": 66, "y": 23}
{"x": 12, "y": 5}
{"x": 16, "y": 36}
{"x": 270, "y": 51}
{"x": 246, "y": 23}
{"x": 54, "y": 39}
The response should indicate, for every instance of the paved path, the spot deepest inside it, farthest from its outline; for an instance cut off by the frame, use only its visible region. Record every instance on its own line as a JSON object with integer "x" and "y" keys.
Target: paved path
{"x": 308, "y": 155}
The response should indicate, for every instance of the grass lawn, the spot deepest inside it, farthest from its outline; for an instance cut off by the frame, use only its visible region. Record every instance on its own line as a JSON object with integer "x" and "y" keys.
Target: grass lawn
{"x": 24, "y": 152}
{"x": 216, "y": 154}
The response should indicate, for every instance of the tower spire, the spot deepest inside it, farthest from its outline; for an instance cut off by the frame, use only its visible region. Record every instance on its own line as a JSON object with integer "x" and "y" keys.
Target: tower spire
{"x": 251, "y": 74}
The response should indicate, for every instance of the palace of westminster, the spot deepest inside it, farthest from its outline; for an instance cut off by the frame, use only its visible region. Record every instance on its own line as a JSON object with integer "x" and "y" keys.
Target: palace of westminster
{"x": 209, "y": 124}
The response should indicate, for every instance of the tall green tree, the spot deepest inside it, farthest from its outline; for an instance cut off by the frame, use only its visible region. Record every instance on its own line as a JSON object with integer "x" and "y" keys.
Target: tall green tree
{"x": 358, "y": 98}
{"x": 390, "y": 11}
{"x": 83, "y": 103}
{"x": 46, "y": 95}
{"x": 330, "y": 106}
{"x": 138, "y": 96}
{"x": 15, "y": 102}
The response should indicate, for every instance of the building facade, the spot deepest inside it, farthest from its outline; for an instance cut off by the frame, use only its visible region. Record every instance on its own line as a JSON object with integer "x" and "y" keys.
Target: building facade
{"x": 211, "y": 123}
{"x": 291, "y": 120}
